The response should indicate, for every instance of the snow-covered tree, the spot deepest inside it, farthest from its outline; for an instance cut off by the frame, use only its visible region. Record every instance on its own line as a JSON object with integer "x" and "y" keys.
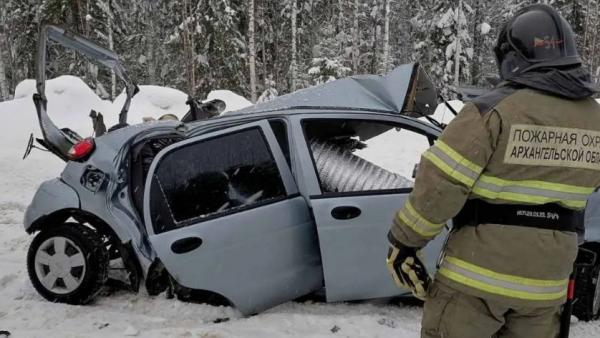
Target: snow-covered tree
{"x": 325, "y": 70}
{"x": 199, "y": 45}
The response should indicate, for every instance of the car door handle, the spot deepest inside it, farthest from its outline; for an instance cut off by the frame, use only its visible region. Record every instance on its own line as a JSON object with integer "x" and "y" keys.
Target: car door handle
{"x": 345, "y": 212}
{"x": 186, "y": 244}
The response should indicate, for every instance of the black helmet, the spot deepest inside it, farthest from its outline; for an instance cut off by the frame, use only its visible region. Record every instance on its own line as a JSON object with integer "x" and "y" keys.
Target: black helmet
{"x": 537, "y": 36}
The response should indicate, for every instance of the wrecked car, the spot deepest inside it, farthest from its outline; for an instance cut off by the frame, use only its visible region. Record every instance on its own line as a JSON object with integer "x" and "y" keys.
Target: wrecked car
{"x": 253, "y": 208}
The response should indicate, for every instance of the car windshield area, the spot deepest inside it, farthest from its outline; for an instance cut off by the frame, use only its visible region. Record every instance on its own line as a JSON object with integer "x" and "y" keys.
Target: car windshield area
{"x": 213, "y": 177}
{"x": 361, "y": 155}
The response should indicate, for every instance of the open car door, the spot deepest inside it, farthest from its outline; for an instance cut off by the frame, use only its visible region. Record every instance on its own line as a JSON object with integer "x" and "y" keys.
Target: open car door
{"x": 224, "y": 215}
{"x": 364, "y": 169}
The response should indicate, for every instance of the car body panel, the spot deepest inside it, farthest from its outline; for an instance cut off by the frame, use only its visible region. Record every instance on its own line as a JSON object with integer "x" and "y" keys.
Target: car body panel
{"x": 353, "y": 250}
{"x": 52, "y": 196}
{"x": 256, "y": 258}
{"x": 60, "y": 140}
{"x": 407, "y": 90}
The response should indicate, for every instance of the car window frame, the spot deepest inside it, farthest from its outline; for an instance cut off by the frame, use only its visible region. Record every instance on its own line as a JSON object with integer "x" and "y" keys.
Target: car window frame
{"x": 322, "y": 195}
{"x": 290, "y": 146}
{"x": 290, "y": 188}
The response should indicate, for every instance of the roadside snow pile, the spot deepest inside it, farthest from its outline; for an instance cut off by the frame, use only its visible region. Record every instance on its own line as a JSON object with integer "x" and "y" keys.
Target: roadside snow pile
{"x": 231, "y": 99}
{"x": 151, "y": 101}
{"x": 69, "y": 103}
{"x": 443, "y": 114}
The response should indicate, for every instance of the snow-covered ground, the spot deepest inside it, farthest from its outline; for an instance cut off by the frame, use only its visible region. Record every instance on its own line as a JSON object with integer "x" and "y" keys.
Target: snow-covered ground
{"x": 26, "y": 314}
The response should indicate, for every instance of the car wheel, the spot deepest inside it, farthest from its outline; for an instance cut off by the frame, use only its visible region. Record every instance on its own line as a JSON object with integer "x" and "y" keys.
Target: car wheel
{"x": 68, "y": 263}
{"x": 587, "y": 290}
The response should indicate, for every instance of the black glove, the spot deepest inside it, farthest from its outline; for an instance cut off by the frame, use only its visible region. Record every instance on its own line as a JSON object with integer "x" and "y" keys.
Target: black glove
{"x": 407, "y": 269}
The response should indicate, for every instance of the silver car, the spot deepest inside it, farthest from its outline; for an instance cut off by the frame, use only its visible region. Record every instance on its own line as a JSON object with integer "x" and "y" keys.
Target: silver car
{"x": 252, "y": 208}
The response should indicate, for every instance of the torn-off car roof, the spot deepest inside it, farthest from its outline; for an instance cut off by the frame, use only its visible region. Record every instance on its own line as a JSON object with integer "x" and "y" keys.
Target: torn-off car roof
{"x": 406, "y": 90}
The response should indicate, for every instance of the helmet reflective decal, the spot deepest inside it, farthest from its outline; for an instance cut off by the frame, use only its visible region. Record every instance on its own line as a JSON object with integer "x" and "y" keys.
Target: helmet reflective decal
{"x": 546, "y": 42}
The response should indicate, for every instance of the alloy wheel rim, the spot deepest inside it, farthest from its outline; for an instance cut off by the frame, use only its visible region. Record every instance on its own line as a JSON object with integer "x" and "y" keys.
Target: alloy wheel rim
{"x": 60, "y": 265}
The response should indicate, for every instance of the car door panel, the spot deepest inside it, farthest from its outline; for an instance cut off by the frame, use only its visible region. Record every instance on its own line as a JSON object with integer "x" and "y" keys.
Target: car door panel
{"x": 261, "y": 264}
{"x": 257, "y": 255}
{"x": 354, "y": 250}
{"x": 352, "y": 222}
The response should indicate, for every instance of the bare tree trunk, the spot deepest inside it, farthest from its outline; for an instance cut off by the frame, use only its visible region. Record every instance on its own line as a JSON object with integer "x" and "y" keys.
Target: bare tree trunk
{"x": 478, "y": 41}
{"x": 385, "y": 58}
{"x": 149, "y": 42}
{"x": 111, "y": 46}
{"x": 376, "y": 30}
{"x": 294, "y": 51}
{"x": 457, "y": 45}
{"x": 586, "y": 25}
{"x": 4, "y": 91}
{"x": 252, "y": 51}
{"x": 594, "y": 42}
{"x": 355, "y": 38}
{"x": 188, "y": 49}
{"x": 264, "y": 50}
{"x": 340, "y": 24}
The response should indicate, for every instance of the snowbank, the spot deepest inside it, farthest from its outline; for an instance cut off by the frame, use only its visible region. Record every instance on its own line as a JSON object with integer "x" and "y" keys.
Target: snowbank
{"x": 70, "y": 101}
{"x": 150, "y": 101}
{"x": 231, "y": 99}
{"x": 443, "y": 114}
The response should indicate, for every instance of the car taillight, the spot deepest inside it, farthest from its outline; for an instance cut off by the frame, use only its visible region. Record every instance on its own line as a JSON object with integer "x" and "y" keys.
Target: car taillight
{"x": 82, "y": 149}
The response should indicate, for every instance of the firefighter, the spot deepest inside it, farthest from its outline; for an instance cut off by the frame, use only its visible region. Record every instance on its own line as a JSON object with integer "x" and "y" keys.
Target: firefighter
{"x": 513, "y": 170}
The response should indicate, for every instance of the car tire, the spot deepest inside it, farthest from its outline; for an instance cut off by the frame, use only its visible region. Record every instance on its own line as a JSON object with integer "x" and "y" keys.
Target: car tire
{"x": 68, "y": 263}
{"x": 587, "y": 289}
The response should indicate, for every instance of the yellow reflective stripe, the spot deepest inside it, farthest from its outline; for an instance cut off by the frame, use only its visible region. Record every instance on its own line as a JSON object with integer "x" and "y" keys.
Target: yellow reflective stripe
{"x": 457, "y": 157}
{"x": 532, "y": 192}
{"x": 415, "y": 227}
{"x": 504, "y": 277}
{"x": 418, "y": 223}
{"x": 499, "y": 290}
{"x": 468, "y": 173}
{"x": 448, "y": 170}
{"x": 538, "y": 185}
{"x": 412, "y": 211}
{"x": 490, "y": 281}
{"x": 516, "y": 197}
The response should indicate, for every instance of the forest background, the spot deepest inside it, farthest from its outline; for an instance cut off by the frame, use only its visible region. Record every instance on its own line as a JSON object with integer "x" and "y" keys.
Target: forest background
{"x": 266, "y": 48}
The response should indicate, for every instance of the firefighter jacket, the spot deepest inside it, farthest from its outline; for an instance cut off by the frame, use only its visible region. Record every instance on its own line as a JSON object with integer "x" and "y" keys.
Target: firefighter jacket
{"x": 514, "y": 145}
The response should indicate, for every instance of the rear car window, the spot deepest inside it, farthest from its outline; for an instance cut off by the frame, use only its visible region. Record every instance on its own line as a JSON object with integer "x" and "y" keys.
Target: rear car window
{"x": 221, "y": 175}
{"x": 353, "y": 156}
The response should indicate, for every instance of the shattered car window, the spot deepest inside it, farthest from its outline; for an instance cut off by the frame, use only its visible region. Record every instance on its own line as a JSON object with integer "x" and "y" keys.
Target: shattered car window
{"x": 358, "y": 155}
{"x": 220, "y": 175}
